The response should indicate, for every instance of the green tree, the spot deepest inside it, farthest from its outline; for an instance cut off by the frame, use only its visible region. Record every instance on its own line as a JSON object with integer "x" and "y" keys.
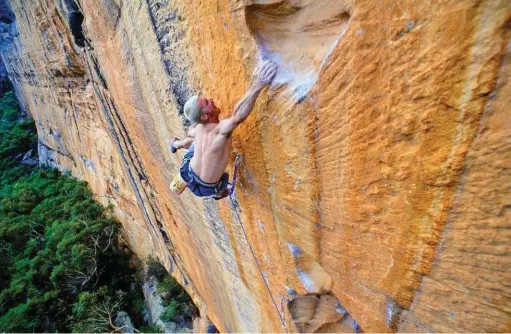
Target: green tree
{"x": 95, "y": 312}
{"x": 178, "y": 304}
{"x": 56, "y": 241}
{"x": 64, "y": 265}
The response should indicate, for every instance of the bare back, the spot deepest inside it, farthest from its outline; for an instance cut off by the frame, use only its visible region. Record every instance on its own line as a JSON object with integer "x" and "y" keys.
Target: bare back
{"x": 211, "y": 153}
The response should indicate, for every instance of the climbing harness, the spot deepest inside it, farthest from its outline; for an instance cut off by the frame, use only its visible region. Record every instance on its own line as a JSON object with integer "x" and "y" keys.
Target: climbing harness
{"x": 235, "y": 207}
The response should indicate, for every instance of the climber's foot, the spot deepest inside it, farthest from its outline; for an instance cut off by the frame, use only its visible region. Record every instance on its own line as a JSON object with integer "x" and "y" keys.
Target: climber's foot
{"x": 172, "y": 148}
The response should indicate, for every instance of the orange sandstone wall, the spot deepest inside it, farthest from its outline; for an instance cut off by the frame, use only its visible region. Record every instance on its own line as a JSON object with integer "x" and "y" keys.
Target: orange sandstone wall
{"x": 375, "y": 190}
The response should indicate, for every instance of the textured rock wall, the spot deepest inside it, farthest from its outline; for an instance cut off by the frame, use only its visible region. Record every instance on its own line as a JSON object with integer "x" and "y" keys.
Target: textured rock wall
{"x": 375, "y": 188}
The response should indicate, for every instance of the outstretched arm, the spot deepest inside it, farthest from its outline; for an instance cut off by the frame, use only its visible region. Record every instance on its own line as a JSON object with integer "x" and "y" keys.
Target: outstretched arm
{"x": 263, "y": 76}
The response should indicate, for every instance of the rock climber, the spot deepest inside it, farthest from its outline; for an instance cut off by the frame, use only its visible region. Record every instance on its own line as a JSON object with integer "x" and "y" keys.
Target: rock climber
{"x": 209, "y": 139}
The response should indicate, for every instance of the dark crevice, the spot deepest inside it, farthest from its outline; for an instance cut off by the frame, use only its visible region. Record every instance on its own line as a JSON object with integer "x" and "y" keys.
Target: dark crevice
{"x": 5, "y": 19}
{"x": 98, "y": 71}
{"x": 161, "y": 19}
{"x": 133, "y": 165}
{"x": 75, "y": 18}
{"x": 164, "y": 236}
{"x": 75, "y": 22}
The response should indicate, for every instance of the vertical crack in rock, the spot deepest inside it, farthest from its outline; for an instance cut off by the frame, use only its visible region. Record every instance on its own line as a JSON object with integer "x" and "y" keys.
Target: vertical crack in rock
{"x": 299, "y": 36}
{"x": 167, "y": 25}
{"x": 75, "y": 18}
{"x": 131, "y": 160}
{"x": 125, "y": 148}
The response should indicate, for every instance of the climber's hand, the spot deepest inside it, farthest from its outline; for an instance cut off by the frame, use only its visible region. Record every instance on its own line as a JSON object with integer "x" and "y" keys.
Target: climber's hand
{"x": 265, "y": 73}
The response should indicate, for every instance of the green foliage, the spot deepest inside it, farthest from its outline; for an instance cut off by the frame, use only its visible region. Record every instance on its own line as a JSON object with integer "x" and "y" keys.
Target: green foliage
{"x": 63, "y": 266}
{"x": 171, "y": 288}
{"x": 17, "y": 136}
{"x": 95, "y": 312}
{"x": 154, "y": 268}
{"x": 178, "y": 305}
{"x": 58, "y": 245}
{"x": 154, "y": 328}
{"x": 58, "y": 242}
{"x": 172, "y": 311}
{"x": 8, "y": 103}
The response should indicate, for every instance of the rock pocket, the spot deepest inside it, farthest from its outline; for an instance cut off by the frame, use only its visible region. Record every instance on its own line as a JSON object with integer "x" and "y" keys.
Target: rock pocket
{"x": 298, "y": 35}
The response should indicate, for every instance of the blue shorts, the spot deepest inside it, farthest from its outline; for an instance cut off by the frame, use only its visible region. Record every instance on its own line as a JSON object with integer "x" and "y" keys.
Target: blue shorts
{"x": 195, "y": 184}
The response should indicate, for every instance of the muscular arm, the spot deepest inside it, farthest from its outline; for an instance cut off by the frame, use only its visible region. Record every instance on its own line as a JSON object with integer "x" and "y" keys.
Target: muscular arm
{"x": 188, "y": 141}
{"x": 244, "y": 107}
{"x": 242, "y": 110}
{"x": 191, "y": 130}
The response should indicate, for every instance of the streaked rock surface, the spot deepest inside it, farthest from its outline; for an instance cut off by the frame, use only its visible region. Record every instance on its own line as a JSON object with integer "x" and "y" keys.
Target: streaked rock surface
{"x": 377, "y": 168}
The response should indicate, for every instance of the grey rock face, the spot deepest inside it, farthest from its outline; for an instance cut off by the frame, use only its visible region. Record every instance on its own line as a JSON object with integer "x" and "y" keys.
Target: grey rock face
{"x": 123, "y": 321}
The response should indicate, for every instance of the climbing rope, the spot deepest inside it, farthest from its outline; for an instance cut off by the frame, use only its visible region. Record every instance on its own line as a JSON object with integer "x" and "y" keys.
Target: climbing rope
{"x": 282, "y": 309}
{"x": 237, "y": 162}
{"x": 235, "y": 207}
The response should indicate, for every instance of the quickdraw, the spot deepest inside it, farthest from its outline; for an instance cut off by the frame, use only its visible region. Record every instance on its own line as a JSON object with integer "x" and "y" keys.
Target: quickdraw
{"x": 237, "y": 163}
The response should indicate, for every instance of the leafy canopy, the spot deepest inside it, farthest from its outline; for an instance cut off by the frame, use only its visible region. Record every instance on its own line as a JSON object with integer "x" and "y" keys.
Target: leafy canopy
{"x": 58, "y": 245}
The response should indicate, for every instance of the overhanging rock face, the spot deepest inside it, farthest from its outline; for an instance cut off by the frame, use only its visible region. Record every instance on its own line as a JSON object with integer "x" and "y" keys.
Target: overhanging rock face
{"x": 375, "y": 190}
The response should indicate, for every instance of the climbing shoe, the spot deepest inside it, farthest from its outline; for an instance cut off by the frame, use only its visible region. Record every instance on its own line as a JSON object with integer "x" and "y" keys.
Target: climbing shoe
{"x": 172, "y": 148}
{"x": 178, "y": 185}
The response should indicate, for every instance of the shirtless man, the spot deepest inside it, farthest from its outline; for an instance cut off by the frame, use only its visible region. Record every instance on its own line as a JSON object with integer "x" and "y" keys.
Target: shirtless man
{"x": 209, "y": 139}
